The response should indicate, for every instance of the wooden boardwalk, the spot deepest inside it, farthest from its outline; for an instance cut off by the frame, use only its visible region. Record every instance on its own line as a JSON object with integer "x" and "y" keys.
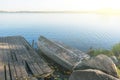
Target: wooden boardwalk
{"x": 18, "y": 61}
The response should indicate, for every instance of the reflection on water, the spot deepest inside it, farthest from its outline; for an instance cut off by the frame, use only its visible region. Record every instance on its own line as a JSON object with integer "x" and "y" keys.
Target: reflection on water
{"x": 78, "y": 30}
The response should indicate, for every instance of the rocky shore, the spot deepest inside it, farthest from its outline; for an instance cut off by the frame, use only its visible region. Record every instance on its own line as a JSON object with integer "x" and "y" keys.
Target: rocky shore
{"x": 83, "y": 67}
{"x": 100, "y": 67}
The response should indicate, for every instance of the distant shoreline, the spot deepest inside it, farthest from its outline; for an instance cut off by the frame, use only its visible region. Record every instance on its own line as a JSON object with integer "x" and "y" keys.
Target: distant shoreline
{"x": 46, "y": 12}
{"x": 77, "y": 12}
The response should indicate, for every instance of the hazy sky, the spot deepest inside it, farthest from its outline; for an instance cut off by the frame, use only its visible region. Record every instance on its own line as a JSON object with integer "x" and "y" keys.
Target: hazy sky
{"x": 58, "y": 4}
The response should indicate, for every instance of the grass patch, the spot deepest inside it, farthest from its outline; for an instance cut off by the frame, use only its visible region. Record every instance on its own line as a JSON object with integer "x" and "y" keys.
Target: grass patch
{"x": 118, "y": 72}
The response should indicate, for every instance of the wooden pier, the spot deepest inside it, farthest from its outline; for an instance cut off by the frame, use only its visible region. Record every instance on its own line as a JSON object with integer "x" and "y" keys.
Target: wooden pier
{"x": 18, "y": 60}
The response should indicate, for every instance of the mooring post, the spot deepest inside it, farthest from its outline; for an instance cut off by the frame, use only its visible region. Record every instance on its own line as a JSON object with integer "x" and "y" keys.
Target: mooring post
{"x": 33, "y": 43}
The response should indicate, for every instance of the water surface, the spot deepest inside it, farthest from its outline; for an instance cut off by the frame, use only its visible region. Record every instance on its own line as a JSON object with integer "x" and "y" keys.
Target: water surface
{"x": 81, "y": 31}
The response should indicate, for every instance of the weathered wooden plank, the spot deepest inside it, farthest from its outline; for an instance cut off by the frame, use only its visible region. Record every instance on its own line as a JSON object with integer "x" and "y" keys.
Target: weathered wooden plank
{"x": 12, "y": 60}
{"x": 8, "y": 77}
{"x": 38, "y": 69}
{"x": 24, "y": 73}
{"x": 33, "y": 78}
{"x": 1, "y": 57}
{"x": 34, "y": 66}
{"x": 2, "y": 72}
{"x": 18, "y": 62}
{"x": 3, "y": 49}
{"x": 11, "y": 71}
{"x": 1, "y": 52}
{"x": 2, "y": 69}
{"x": 14, "y": 52}
{"x": 18, "y": 72}
{"x": 44, "y": 67}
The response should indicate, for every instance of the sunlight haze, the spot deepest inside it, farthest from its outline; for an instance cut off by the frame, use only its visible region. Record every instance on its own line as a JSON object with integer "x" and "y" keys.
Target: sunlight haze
{"x": 58, "y": 5}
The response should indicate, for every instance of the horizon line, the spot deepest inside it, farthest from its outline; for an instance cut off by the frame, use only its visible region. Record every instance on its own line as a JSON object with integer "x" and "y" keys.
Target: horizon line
{"x": 65, "y": 11}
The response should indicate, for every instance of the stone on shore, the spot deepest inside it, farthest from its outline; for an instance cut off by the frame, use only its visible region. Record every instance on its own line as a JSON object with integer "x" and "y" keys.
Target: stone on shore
{"x": 91, "y": 74}
{"x": 100, "y": 62}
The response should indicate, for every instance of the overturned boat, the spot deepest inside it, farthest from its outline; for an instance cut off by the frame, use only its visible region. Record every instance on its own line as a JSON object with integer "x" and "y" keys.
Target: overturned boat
{"x": 65, "y": 56}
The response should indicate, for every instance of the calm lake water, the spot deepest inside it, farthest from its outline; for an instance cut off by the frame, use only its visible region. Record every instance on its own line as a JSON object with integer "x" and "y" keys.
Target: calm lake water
{"x": 81, "y": 31}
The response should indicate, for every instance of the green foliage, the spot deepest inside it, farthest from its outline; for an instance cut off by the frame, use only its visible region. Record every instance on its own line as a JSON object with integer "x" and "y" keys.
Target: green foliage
{"x": 116, "y": 50}
{"x": 95, "y": 52}
{"x": 118, "y": 66}
{"x": 118, "y": 71}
